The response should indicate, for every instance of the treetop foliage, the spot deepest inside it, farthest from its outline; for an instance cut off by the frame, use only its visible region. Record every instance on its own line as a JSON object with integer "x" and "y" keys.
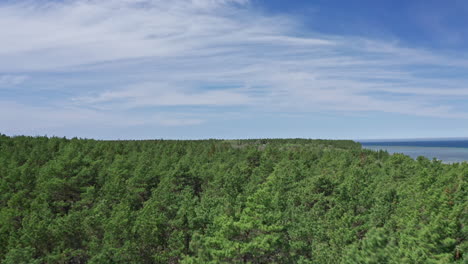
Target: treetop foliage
{"x": 226, "y": 201}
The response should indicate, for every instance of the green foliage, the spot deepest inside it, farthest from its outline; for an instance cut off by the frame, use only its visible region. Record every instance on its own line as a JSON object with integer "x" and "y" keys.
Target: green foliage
{"x": 226, "y": 201}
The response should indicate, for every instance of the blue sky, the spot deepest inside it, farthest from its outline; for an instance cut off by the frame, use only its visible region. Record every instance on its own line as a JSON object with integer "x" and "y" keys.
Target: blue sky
{"x": 135, "y": 69}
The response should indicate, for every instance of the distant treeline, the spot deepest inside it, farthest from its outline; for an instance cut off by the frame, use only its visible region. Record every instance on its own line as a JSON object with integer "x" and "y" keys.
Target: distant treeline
{"x": 226, "y": 201}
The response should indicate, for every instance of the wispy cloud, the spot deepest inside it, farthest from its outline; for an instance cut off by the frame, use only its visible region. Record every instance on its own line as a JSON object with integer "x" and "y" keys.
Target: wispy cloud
{"x": 12, "y": 80}
{"x": 154, "y": 94}
{"x": 217, "y": 53}
{"x": 23, "y": 119}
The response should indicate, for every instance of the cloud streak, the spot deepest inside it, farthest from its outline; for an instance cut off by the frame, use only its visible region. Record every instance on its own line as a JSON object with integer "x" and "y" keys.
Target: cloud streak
{"x": 12, "y": 80}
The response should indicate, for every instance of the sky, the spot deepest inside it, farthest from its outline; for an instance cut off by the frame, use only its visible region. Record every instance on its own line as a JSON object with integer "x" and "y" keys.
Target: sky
{"x": 194, "y": 69}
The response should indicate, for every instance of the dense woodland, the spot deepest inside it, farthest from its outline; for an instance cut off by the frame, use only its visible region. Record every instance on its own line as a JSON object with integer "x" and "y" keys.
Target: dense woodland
{"x": 226, "y": 201}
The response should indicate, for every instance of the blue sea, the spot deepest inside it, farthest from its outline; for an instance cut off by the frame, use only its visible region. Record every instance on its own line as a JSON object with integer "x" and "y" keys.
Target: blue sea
{"x": 448, "y": 151}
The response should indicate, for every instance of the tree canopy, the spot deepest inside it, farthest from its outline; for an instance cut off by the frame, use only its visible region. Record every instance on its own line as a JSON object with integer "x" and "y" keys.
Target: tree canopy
{"x": 226, "y": 201}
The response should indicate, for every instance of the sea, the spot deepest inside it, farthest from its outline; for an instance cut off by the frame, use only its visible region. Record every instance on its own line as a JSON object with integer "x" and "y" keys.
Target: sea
{"x": 448, "y": 151}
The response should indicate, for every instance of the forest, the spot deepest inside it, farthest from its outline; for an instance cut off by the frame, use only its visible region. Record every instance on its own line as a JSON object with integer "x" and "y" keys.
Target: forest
{"x": 226, "y": 201}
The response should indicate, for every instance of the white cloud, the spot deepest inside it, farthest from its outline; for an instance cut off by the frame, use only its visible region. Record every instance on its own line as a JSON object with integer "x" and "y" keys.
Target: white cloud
{"x": 98, "y": 31}
{"x": 186, "y": 51}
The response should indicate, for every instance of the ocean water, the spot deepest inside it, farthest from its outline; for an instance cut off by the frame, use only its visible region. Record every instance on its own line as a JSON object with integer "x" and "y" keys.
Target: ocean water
{"x": 447, "y": 151}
